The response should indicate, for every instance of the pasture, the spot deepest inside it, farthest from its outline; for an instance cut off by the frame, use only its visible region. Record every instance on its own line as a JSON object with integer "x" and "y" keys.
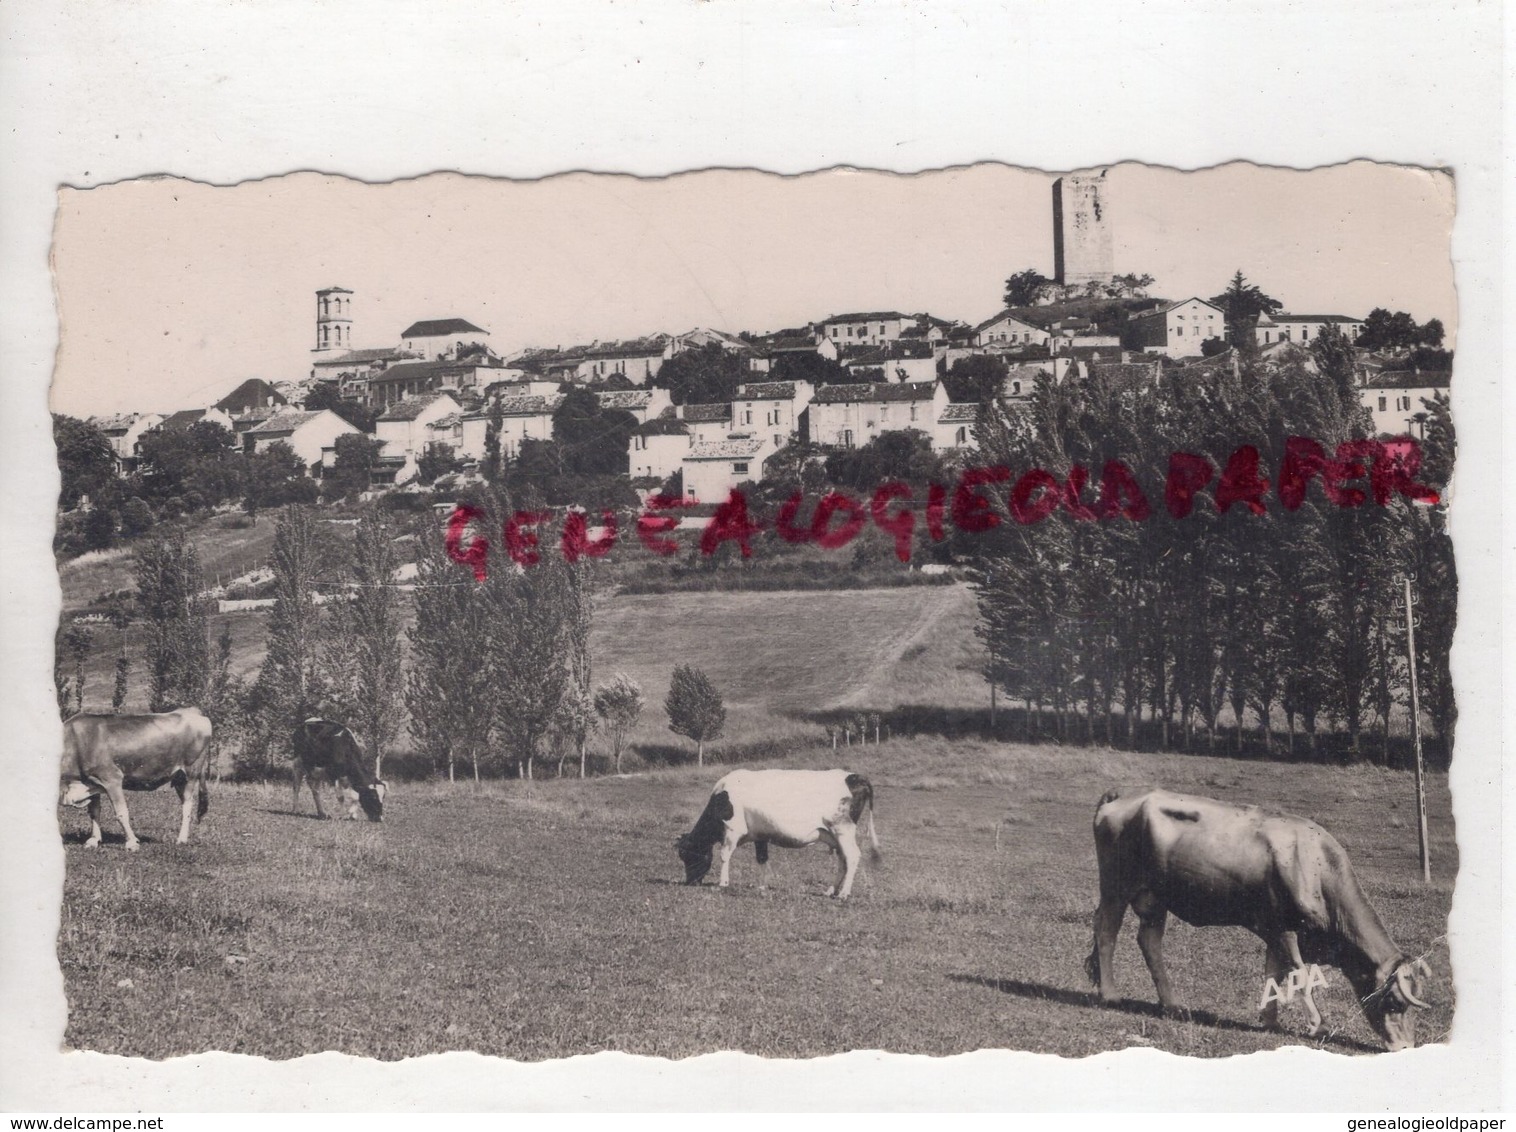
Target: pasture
{"x": 544, "y": 919}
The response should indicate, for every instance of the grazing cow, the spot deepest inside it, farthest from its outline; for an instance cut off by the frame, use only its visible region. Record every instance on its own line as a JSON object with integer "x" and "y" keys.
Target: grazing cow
{"x": 792, "y": 808}
{"x": 1285, "y": 879}
{"x": 110, "y": 754}
{"x": 327, "y": 751}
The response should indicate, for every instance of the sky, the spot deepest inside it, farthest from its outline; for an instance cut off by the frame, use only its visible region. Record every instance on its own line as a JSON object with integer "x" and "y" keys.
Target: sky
{"x": 172, "y": 292}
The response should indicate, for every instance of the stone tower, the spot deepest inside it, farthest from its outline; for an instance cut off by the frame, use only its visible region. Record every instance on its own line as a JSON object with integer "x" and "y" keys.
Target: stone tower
{"x": 1081, "y": 230}
{"x": 334, "y": 321}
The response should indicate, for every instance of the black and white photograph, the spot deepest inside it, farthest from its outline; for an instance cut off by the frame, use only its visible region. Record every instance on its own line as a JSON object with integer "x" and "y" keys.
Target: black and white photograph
{"x": 1005, "y": 607}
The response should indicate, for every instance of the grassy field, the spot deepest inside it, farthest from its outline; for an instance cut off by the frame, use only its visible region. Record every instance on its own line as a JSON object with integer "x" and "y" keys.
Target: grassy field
{"x": 539, "y": 920}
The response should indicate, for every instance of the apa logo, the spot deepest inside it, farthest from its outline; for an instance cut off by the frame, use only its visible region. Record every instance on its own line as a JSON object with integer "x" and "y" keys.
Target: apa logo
{"x": 1301, "y": 979}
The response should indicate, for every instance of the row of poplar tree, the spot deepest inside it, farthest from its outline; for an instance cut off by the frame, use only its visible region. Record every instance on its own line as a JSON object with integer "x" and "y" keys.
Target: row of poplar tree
{"x": 498, "y": 675}
{"x": 1175, "y": 632}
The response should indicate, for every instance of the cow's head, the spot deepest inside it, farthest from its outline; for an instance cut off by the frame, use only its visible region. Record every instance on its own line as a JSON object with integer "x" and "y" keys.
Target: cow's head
{"x": 696, "y": 858}
{"x": 1391, "y": 1008}
{"x": 371, "y": 798}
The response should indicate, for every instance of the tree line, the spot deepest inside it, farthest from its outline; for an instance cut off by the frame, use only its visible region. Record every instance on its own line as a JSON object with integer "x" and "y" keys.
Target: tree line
{"x": 489, "y": 678}
{"x": 1147, "y": 633}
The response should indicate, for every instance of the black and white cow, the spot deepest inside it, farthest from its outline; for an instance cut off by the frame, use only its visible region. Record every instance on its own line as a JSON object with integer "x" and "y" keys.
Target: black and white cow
{"x": 792, "y": 808}
{"x": 327, "y": 751}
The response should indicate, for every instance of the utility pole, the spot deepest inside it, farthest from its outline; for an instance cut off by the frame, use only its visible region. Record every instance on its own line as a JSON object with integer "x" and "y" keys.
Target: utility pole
{"x": 1421, "y": 793}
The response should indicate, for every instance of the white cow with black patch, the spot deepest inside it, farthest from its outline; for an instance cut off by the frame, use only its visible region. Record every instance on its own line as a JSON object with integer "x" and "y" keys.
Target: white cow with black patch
{"x": 792, "y": 808}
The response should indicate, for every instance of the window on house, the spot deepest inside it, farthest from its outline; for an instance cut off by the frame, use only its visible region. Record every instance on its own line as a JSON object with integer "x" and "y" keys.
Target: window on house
{"x": 778, "y": 441}
{"x": 739, "y": 468}
{"x": 913, "y": 412}
{"x": 1179, "y": 331}
{"x": 1015, "y": 387}
{"x": 962, "y": 436}
{"x": 847, "y": 438}
{"x": 1381, "y": 404}
{"x": 1305, "y": 333}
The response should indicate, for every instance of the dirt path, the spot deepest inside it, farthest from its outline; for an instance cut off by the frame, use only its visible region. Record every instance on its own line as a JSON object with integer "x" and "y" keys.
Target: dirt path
{"x": 887, "y": 650}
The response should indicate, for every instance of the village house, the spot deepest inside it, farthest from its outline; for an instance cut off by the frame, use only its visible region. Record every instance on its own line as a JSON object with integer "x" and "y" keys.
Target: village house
{"x": 636, "y": 359}
{"x": 528, "y": 417}
{"x": 954, "y": 427}
{"x": 1398, "y": 400}
{"x": 771, "y": 349}
{"x": 188, "y": 418}
{"x": 866, "y": 328}
{"x": 462, "y": 378}
{"x": 441, "y": 338}
{"x": 658, "y": 447}
{"x": 710, "y": 470}
{"x": 312, "y": 435}
{"x": 1009, "y": 329}
{"x": 1177, "y": 330}
{"x": 707, "y": 423}
{"x": 252, "y": 394}
{"x": 773, "y": 408}
{"x": 351, "y": 372}
{"x": 852, "y": 415}
{"x": 703, "y": 336}
{"x": 124, "y": 431}
{"x": 644, "y": 404}
{"x": 405, "y": 429}
{"x": 897, "y": 361}
{"x": 1280, "y": 327}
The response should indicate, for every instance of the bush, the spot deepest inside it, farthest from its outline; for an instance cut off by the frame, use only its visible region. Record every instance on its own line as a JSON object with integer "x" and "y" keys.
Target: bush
{"x": 136, "y": 518}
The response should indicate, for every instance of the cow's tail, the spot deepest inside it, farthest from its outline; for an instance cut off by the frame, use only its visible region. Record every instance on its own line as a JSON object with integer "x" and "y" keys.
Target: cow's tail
{"x": 863, "y": 802}
{"x": 202, "y": 779}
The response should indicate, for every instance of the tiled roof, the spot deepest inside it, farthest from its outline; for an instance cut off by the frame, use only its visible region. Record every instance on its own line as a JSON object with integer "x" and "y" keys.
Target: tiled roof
{"x": 725, "y": 449}
{"x": 784, "y": 344}
{"x": 865, "y": 316}
{"x": 766, "y": 391}
{"x": 630, "y": 348}
{"x": 663, "y": 426}
{"x": 529, "y": 406}
{"x": 115, "y": 422}
{"x": 254, "y": 388}
{"x": 184, "y": 418}
{"x": 1005, "y": 314}
{"x": 1409, "y": 379}
{"x": 412, "y": 371}
{"x": 625, "y": 398}
{"x": 1166, "y": 307}
{"x": 875, "y": 391}
{"x": 715, "y": 412}
{"x": 887, "y": 352}
{"x": 1278, "y": 318}
{"x": 959, "y": 414}
{"x": 449, "y": 420}
{"x": 437, "y": 327}
{"x": 1129, "y": 372}
{"x": 412, "y": 407}
{"x": 354, "y": 357}
{"x": 284, "y": 423}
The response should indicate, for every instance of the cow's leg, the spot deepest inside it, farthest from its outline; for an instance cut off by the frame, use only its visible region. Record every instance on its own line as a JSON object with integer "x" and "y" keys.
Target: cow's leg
{"x": 761, "y": 852}
{"x": 830, "y": 841}
{"x": 729, "y": 845}
{"x": 1276, "y": 965}
{"x": 117, "y": 795}
{"x": 186, "y": 803}
{"x": 316, "y": 794}
{"x": 1102, "y": 962}
{"x": 1154, "y": 917}
{"x": 1292, "y": 948}
{"x": 94, "y": 822}
{"x": 850, "y": 855}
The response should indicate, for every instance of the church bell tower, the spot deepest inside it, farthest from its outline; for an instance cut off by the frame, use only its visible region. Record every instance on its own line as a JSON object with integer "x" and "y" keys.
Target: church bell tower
{"x": 334, "y": 321}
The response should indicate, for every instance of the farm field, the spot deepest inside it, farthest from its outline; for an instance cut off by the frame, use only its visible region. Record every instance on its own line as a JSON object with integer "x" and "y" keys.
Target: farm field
{"x": 543, "y": 919}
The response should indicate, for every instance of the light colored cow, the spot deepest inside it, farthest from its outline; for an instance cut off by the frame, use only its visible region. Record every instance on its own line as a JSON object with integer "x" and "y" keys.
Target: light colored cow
{"x": 110, "y": 754}
{"x": 1284, "y": 878}
{"x": 791, "y": 808}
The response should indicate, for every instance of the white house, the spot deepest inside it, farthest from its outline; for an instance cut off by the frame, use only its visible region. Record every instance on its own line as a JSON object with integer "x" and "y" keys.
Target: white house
{"x": 769, "y": 350}
{"x": 311, "y": 434}
{"x": 658, "y": 447}
{"x": 521, "y": 418}
{"x": 954, "y": 427}
{"x": 852, "y": 415}
{"x": 1009, "y": 329}
{"x": 1280, "y": 327}
{"x": 1177, "y": 329}
{"x": 776, "y": 409}
{"x": 441, "y": 337}
{"x": 866, "y": 328}
{"x": 189, "y": 418}
{"x": 707, "y": 423}
{"x": 900, "y": 360}
{"x": 644, "y": 404}
{"x": 405, "y": 429}
{"x": 124, "y": 430}
{"x": 712, "y": 469}
{"x": 636, "y": 359}
{"x": 1397, "y": 400}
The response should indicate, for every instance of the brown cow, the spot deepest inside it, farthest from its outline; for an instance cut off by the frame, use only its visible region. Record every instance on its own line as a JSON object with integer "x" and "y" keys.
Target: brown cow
{"x": 1284, "y": 878}
{"x": 110, "y": 754}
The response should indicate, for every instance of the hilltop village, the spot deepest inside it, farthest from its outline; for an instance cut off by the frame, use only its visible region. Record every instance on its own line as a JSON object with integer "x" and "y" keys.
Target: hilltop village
{"x": 695, "y": 413}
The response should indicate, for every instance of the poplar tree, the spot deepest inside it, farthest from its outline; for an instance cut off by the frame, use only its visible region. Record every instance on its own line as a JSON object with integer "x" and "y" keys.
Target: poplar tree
{"x": 170, "y": 604}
